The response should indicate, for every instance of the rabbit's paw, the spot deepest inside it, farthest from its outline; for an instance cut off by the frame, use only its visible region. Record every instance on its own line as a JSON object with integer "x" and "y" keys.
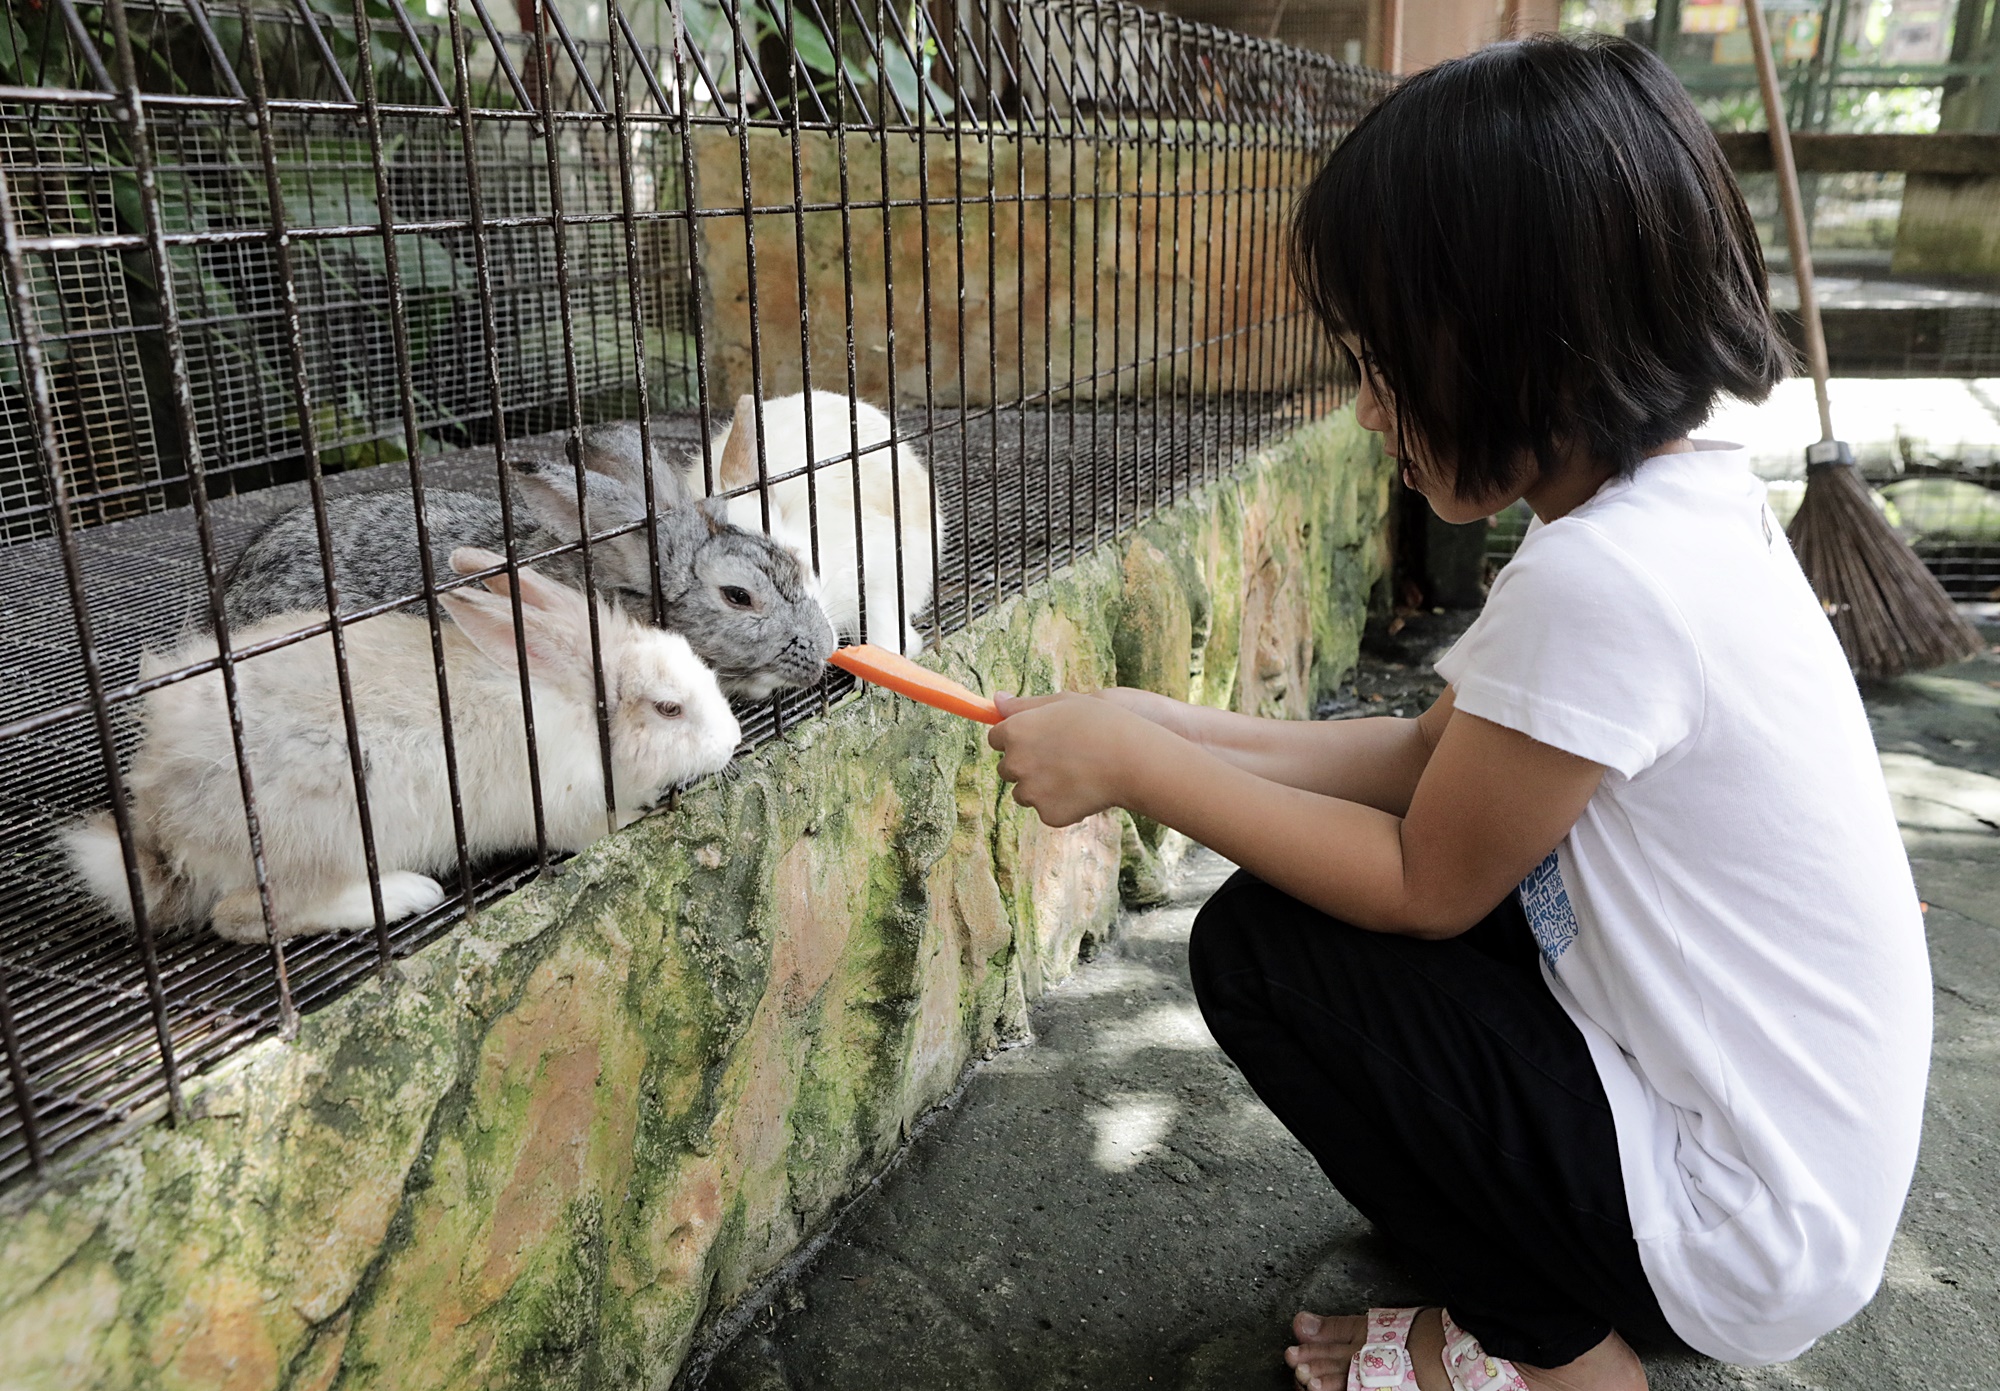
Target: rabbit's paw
{"x": 352, "y": 909}
{"x": 239, "y": 917}
{"x": 404, "y": 895}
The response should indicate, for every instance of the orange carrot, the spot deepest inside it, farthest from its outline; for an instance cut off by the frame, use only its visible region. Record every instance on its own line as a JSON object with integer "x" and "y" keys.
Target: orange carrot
{"x": 905, "y": 677}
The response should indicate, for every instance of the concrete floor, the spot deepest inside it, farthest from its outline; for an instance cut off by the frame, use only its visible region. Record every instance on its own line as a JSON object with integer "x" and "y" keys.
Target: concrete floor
{"x": 1111, "y": 1208}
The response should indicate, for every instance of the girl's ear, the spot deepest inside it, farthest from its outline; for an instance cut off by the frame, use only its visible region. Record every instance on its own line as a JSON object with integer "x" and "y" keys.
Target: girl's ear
{"x": 738, "y": 466}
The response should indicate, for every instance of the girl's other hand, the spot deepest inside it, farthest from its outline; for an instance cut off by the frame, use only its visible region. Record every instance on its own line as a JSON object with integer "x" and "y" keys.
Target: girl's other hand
{"x": 1069, "y": 756}
{"x": 1165, "y": 711}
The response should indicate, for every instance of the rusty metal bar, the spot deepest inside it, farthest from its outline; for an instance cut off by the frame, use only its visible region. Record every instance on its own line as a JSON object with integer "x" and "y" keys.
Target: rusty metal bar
{"x": 489, "y": 336}
{"x": 302, "y": 396}
{"x": 399, "y": 335}
{"x": 573, "y": 395}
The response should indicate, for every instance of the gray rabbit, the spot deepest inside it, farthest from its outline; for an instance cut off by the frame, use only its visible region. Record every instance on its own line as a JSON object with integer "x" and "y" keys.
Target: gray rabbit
{"x": 746, "y": 604}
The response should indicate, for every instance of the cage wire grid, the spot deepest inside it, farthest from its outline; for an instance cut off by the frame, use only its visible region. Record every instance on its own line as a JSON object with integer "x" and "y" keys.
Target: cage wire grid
{"x": 258, "y": 254}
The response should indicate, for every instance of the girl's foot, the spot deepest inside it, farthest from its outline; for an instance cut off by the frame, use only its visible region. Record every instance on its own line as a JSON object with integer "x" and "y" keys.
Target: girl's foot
{"x": 1326, "y": 1345}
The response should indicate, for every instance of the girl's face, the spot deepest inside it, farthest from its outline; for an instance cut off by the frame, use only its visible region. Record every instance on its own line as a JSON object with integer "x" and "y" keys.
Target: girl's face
{"x": 1375, "y": 409}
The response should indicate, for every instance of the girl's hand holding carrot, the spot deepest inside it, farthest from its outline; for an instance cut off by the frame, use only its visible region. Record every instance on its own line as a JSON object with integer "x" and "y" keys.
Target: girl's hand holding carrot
{"x": 1070, "y": 756}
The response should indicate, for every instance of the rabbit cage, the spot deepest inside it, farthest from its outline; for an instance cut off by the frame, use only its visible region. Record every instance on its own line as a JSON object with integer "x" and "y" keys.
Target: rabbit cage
{"x": 265, "y": 254}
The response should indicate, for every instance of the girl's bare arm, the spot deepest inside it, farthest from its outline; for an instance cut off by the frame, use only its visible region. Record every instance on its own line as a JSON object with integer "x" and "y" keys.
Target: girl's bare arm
{"x": 1375, "y": 761}
{"x": 1488, "y": 806}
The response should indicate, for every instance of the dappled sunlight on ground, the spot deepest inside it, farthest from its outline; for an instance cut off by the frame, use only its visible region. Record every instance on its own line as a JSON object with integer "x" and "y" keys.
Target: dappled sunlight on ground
{"x": 1129, "y": 1128}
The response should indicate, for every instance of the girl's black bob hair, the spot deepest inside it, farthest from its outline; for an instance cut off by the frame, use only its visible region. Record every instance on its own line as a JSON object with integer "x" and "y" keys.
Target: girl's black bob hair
{"x": 1539, "y": 248}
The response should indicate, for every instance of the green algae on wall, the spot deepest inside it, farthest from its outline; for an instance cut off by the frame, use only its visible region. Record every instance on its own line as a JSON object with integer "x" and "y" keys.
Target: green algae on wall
{"x": 541, "y": 1151}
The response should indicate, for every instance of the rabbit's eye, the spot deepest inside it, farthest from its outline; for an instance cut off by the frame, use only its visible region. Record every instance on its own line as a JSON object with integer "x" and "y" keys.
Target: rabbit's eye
{"x": 668, "y": 709}
{"x": 737, "y": 597}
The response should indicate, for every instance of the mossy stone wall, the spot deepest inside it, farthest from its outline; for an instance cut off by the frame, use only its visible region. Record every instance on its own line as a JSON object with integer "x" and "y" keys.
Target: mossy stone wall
{"x": 542, "y": 1150}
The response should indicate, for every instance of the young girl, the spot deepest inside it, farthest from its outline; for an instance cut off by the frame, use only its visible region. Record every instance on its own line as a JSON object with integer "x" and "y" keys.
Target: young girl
{"x": 1600, "y": 987}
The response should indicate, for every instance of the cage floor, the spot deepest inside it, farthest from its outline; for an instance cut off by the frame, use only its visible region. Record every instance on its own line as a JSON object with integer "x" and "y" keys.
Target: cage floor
{"x": 1032, "y": 488}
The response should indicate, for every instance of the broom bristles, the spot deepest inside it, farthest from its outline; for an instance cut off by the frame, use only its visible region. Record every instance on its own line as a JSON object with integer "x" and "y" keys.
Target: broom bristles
{"x": 1889, "y": 611}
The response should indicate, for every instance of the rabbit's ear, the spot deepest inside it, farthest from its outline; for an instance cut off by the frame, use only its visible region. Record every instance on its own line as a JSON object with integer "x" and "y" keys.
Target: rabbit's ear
{"x": 555, "y": 619}
{"x": 550, "y": 492}
{"x": 738, "y": 466}
{"x": 615, "y": 450}
{"x": 618, "y": 451}
{"x": 670, "y": 485}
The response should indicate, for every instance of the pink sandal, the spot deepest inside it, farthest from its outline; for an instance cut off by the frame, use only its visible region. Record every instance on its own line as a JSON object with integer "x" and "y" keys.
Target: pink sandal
{"x": 1384, "y": 1360}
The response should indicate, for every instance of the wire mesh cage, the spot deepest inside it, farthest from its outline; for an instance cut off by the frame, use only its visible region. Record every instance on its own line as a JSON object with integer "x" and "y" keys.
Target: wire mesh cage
{"x": 939, "y": 297}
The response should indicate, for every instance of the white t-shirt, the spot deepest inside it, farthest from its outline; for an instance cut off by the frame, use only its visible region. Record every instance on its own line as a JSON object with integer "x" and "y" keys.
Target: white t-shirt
{"x": 1732, "y": 923}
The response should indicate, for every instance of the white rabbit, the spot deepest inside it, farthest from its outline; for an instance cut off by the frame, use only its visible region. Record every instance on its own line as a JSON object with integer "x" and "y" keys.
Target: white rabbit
{"x": 889, "y": 482}
{"x": 669, "y": 722}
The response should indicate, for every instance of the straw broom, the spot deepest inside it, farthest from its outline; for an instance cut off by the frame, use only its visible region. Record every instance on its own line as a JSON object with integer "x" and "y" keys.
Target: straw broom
{"x": 1888, "y": 610}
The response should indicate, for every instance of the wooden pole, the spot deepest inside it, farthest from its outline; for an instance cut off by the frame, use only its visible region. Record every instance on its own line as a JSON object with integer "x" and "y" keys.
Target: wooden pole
{"x": 1794, "y": 206}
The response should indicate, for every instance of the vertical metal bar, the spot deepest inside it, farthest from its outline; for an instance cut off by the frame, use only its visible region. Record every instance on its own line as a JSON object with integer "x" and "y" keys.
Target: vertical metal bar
{"x": 1156, "y": 435}
{"x": 621, "y": 133}
{"x": 1048, "y": 133}
{"x": 399, "y": 332}
{"x": 1119, "y": 517}
{"x": 1263, "y": 347}
{"x": 1176, "y": 115}
{"x": 929, "y": 301}
{"x": 1097, "y": 276}
{"x": 991, "y": 140}
{"x": 1233, "y": 266}
{"x": 853, "y": 387}
{"x": 750, "y": 270}
{"x": 1019, "y": 121}
{"x": 750, "y": 285}
{"x": 17, "y": 1077}
{"x": 732, "y": 11}
{"x": 1073, "y": 140}
{"x": 683, "y": 103}
{"x": 1267, "y": 348}
{"x": 1292, "y": 381}
{"x": 139, "y": 136}
{"x": 573, "y": 395}
{"x": 958, "y": 267}
{"x": 48, "y": 451}
{"x": 844, "y": 84}
{"x": 885, "y": 92}
{"x": 1199, "y": 300}
{"x": 1223, "y": 167}
{"x": 302, "y": 402}
{"x": 812, "y": 459}
{"x": 489, "y": 330}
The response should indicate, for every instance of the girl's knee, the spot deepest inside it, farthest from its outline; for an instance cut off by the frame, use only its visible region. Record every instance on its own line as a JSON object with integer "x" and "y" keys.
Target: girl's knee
{"x": 1216, "y": 943}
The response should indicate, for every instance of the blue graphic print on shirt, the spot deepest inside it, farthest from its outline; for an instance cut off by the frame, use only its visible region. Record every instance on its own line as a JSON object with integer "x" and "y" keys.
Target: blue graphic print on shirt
{"x": 1546, "y": 902}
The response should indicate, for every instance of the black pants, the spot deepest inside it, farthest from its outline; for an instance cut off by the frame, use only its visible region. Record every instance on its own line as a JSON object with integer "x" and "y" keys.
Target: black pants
{"x": 1449, "y": 1098}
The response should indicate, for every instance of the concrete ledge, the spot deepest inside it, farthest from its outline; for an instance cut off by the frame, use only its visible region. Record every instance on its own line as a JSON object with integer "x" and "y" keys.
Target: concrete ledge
{"x": 544, "y": 1149}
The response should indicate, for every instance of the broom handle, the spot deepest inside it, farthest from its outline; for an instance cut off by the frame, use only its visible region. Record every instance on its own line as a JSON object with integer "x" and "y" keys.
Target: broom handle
{"x": 1794, "y": 205}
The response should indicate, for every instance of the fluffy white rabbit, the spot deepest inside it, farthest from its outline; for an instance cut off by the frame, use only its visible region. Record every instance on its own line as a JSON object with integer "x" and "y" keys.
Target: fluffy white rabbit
{"x": 889, "y": 480}
{"x": 669, "y": 722}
